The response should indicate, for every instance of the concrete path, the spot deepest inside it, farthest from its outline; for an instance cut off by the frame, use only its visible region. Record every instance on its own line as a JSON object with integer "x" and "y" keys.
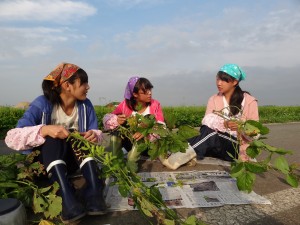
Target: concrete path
{"x": 284, "y": 210}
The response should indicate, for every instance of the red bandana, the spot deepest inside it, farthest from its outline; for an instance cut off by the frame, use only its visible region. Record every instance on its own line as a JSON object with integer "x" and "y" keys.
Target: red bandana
{"x": 61, "y": 73}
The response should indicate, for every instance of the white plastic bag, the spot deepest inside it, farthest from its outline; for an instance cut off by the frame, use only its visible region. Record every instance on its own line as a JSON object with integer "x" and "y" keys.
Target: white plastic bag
{"x": 175, "y": 160}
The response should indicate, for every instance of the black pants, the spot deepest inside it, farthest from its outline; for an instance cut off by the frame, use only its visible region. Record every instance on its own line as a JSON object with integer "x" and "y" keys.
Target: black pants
{"x": 58, "y": 149}
{"x": 214, "y": 144}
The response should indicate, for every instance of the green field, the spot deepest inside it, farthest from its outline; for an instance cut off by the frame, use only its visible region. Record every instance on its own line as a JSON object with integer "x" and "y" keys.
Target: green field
{"x": 190, "y": 115}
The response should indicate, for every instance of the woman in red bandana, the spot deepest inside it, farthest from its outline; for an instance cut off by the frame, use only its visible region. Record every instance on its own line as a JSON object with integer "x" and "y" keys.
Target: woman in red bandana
{"x": 46, "y": 125}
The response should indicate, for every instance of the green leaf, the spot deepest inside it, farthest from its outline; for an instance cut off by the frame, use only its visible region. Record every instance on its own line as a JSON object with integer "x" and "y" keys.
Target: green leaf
{"x": 230, "y": 155}
{"x": 45, "y": 222}
{"x": 253, "y": 151}
{"x": 11, "y": 159}
{"x": 268, "y": 159}
{"x": 39, "y": 204}
{"x": 245, "y": 181}
{"x": 258, "y": 144}
{"x": 55, "y": 187}
{"x": 8, "y": 185}
{"x": 24, "y": 195}
{"x": 142, "y": 147}
{"x": 292, "y": 180}
{"x": 123, "y": 190}
{"x": 170, "y": 120}
{"x": 156, "y": 195}
{"x": 159, "y": 129}
{"x": 46, "y": 189}
{"x": 132, "y": 166}
{"x": 255, "y": 167}
{"x": 237, "y": 169}
{"x": 263, "y": 130}
{"x": 153, "y": 150}
{"x": 8, "y": 174}
{"x": 146, "y": 212}
{"x": 35, "y": 165}
{"x": 185, "y": 132}
{"x": 169, "y": 222}
{"x": 282, "y": 164}
{"x": 251, "y": 130}
{"x": 147, "y": 207}
{"x": 55, "y": 206}
{"x": 177, "y": 146}
{"x": 191, "y": 220}
{"x": 280, "y": 151}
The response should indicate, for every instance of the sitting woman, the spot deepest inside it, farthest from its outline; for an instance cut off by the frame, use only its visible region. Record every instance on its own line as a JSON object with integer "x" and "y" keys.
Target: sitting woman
{"x": 46, "y": 125}
{"x": 138, "y": 100}
{"x": 218, "y": 134}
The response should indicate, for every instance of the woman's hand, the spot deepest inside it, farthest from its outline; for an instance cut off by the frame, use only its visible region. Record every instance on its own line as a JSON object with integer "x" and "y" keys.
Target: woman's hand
{"x": 54, "y": 131}
{"x": 90, "y": 136}
{"x": 138, "y": 136}
{"x": 121, "y": 119}
{"x": 231, "y": 125}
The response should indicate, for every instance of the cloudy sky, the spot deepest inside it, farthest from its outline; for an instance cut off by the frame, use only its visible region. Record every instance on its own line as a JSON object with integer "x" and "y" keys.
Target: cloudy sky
{"x": 178, "y": 45}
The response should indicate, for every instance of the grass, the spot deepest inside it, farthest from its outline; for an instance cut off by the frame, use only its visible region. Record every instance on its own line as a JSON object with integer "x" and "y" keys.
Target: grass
{"x": 190, "y": 115}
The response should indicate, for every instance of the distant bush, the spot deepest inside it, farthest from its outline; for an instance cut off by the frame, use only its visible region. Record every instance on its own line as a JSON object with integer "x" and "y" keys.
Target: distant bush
{"x": 8, "y": 119}
{"x": 279, "y": 114}
{"x": 189, "y": 115}
{"x": 100, "y": 112}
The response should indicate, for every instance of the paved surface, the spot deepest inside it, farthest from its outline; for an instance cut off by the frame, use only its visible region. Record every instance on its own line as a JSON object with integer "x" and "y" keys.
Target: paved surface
{"x": 284, "y": 210}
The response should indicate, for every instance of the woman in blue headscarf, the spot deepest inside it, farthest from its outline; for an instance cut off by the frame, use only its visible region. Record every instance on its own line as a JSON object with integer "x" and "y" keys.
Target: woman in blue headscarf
{"x": 218, "y": 136}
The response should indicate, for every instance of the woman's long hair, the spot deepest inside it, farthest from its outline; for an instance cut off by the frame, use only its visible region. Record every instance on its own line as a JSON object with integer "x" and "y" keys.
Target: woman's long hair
{"x": 52, "y": 93}
{"x": 142, "y": 84}
{"x": 237, "y": 97}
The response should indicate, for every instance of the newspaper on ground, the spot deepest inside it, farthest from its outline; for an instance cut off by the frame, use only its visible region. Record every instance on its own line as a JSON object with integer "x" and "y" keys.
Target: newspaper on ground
{"x": 189, "y": 189}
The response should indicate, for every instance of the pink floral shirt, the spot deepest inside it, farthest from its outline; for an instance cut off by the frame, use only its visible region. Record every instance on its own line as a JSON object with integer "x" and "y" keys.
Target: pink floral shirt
{"x": 110, "y": 120}
{"x": 30, "y": 137}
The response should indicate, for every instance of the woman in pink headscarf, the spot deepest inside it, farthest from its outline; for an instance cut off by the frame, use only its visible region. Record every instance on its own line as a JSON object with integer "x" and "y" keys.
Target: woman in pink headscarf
{"x": 138, "y": 99}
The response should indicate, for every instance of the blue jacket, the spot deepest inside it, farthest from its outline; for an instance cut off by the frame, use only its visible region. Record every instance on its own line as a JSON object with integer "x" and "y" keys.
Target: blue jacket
{"x": 39, "y": 112}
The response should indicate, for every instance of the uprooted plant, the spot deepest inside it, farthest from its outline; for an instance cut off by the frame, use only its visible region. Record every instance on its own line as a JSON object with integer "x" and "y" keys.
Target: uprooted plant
{"x": 159, "y": 140}
{"x": 245, "y": 171}
{"x": 17, "y": 180}
{"x": 147, "y": 200}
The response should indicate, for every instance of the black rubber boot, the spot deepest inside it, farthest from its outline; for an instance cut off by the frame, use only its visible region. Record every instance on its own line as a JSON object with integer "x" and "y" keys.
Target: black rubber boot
{"x": 72, "y": 209}
{"x": 93, "y": 192}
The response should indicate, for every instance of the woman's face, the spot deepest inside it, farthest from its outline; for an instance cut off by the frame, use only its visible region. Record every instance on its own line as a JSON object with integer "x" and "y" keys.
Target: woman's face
{"x": 143, "y": 96}
{"x": 79, "y": 92}
{"x": 225, "y": 87}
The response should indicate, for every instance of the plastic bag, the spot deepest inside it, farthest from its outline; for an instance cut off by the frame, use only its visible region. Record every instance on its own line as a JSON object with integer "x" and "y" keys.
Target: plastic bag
{"x": 175, "y": 160}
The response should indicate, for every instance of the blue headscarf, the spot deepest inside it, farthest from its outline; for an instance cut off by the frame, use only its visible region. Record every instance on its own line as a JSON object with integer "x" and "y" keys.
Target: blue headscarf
{"x": 234, "y": 70}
